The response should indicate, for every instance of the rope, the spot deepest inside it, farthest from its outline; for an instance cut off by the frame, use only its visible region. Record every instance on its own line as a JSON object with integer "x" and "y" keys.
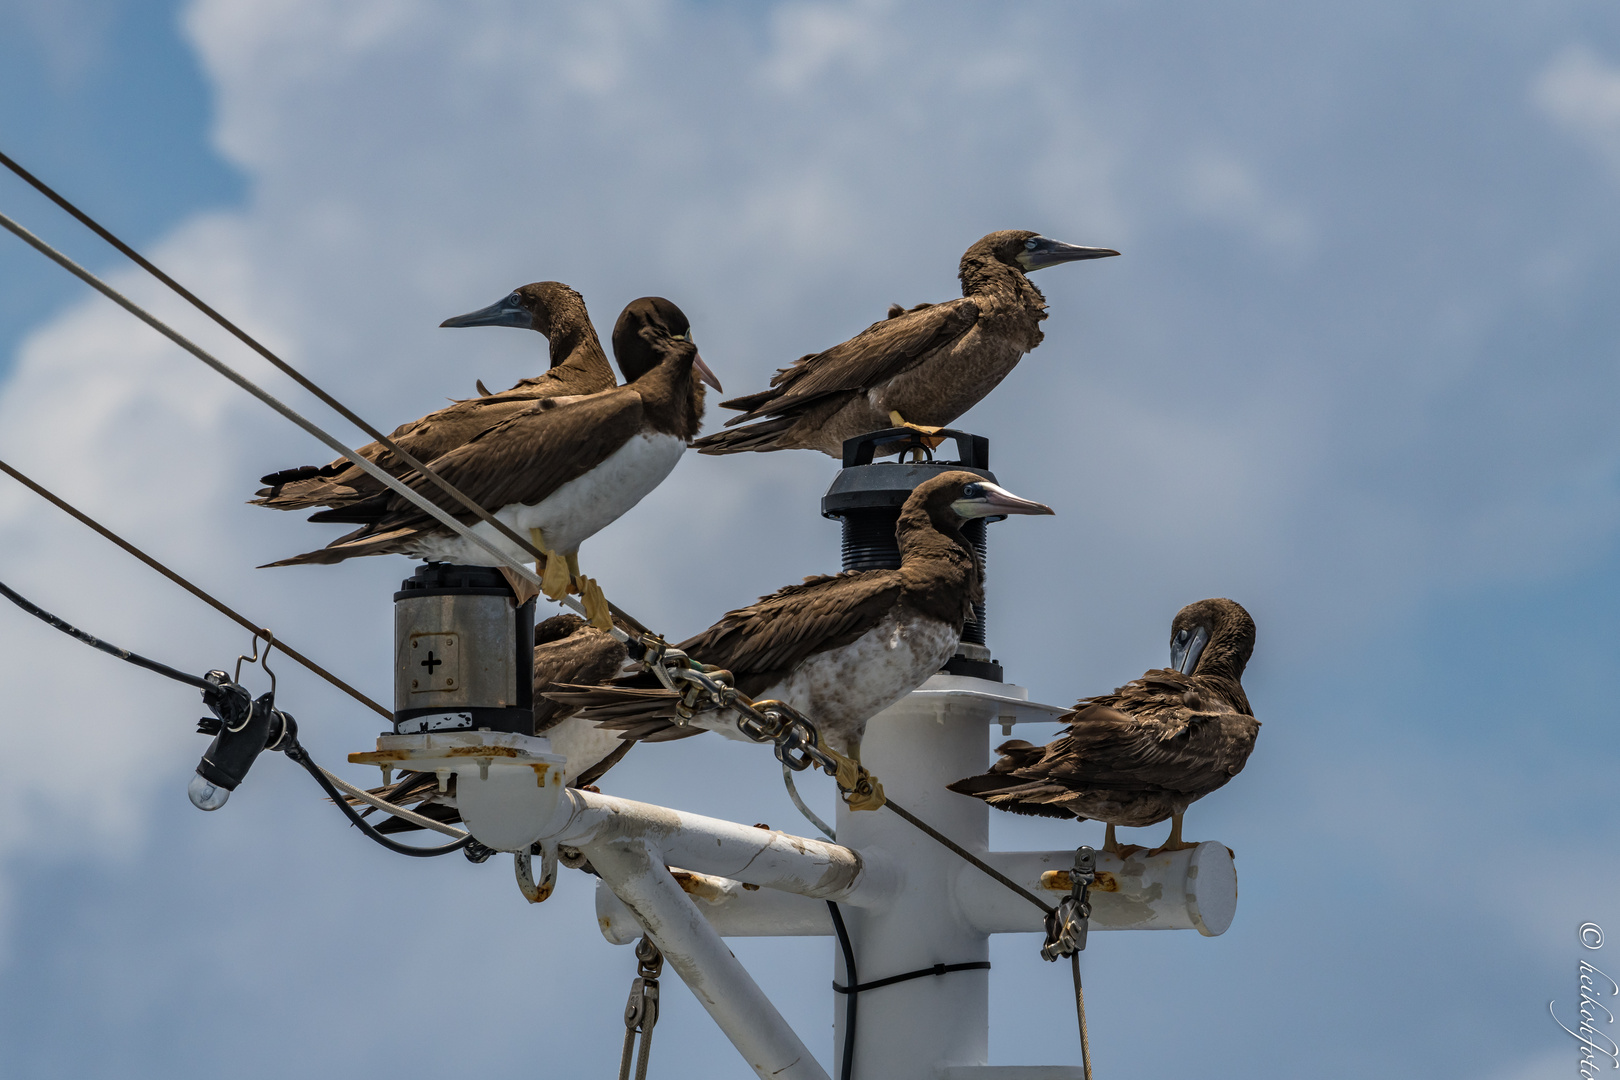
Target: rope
{"x": 247, "y": 339}
{"x": 809, "y": 814}
{"x": 193, "y": 589}
{"x": 297, "y": 753}
{"x": 398, "y": 811}
{"x": 1080, "y": 1008}
{"x": 96, "y": 643}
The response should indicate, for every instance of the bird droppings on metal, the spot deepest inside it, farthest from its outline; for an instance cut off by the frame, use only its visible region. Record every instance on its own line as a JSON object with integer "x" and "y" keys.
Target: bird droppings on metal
{"x": 373, "y": 757}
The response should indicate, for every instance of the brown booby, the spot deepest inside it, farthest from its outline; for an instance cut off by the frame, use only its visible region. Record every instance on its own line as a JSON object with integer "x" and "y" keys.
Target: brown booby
{"x": 578, "y": 366}
{"x": 839, "y": 648}
{"x": 919, "y": 368}
{"x": 559, "y": 471}
{"x": 567, "y": 649}
{"x": 1151, "y": 748}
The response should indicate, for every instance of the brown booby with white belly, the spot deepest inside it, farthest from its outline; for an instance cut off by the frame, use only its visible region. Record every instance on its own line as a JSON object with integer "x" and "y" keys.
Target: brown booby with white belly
{"x": 559, "y": 471}
{"x": 838, "y": 648}
{"x": 578, "y": 366}
{"x": 1151, "y": 748}
{"x": 919, "y": 368}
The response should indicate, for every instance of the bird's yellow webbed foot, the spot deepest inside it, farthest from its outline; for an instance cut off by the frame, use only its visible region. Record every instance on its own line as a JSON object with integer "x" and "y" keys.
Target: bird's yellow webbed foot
{"x": 928, "y": 436}
{"x": 554, "y": 575}
{"x": 1112, "y": 846}
{"x": 1174, "y": 842}
{"x": 596, "y": 605}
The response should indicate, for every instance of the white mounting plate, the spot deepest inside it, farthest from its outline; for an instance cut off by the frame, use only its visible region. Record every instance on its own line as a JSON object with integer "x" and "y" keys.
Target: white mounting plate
{"x": 1012, "y": 703}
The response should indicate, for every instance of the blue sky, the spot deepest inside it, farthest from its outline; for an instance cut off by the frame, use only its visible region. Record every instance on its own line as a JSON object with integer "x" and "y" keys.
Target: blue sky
{"x": 1356, "y": 369}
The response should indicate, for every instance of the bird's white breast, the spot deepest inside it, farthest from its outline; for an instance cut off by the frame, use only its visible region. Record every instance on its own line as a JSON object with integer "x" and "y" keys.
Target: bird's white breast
{"x": 578, "y": 509}
{"x": 840, "y": 689}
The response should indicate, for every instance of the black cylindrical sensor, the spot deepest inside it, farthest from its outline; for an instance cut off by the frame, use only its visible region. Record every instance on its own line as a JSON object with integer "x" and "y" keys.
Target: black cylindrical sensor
{"x": 866, "y": 498}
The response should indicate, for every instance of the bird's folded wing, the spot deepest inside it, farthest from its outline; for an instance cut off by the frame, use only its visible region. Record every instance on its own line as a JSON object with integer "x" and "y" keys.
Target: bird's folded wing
{"x": 771, "y": 636}
{"x": 879, "y": 352}
{"x": 526, "y": 457}
{"x": 1171, "y": 748}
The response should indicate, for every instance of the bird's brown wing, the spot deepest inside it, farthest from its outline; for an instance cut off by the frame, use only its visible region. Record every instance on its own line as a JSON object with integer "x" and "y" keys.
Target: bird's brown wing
{"x": 524, "y": 458}
{"x": 587, "y": 656}
{"x": 768, "y": 638}
{"x": 1158, "y": 745}
{"x": 880, "y": 352}
{"x": 342, "y": 482}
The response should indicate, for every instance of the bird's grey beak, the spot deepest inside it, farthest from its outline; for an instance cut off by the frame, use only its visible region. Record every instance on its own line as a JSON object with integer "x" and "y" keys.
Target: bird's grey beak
{"x": 994, "y": 501}
{"x": 1040, "y": 252}
{"x": 705, "y": 374}
{"x": 1187, "y": 648}
{"x": 506, "y": 312}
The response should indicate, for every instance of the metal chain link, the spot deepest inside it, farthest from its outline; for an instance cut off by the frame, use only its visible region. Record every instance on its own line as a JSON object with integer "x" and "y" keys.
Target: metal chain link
{"x": 641, "y": 1011}
{"x": 792, "y": 735}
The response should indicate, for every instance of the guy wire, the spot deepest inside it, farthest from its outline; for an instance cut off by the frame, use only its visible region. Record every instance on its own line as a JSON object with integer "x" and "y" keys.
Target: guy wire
{"x": 194, "y": 590}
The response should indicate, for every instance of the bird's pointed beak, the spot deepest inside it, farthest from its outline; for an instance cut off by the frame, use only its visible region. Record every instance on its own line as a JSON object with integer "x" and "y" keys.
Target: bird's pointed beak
{"x": 705, "y": 374}
{"x": 1184, "y": 655}
{"x": 505, "y": 312}
{"x": 1047, "y": 252}
{"x": 994, "y": 501}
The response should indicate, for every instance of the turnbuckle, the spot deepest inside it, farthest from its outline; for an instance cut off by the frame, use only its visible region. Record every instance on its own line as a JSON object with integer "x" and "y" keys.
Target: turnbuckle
{"x": 641, "y": 1011}
{"x": 1067, "y": 923}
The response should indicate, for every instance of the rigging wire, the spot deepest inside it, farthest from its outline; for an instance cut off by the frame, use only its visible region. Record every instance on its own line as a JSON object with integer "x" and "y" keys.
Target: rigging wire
{"x": 251, "y": 342}
{"x": 371, "y": 468}
{"x": 201, "y": 594}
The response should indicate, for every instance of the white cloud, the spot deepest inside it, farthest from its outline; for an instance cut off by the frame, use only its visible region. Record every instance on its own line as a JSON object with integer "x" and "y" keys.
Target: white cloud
{"x": 1327, "y": 440}
{"x": 1581, "y": 93}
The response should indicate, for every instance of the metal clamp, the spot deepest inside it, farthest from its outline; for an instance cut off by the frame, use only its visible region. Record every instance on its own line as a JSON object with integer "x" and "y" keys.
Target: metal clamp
{"x": 1067, "y": 924}
{"x": 641, "y": 1011}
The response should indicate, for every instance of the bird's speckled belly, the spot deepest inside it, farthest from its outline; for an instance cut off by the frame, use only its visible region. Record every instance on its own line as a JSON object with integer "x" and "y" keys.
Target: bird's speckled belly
{"x": 841, "y": 689}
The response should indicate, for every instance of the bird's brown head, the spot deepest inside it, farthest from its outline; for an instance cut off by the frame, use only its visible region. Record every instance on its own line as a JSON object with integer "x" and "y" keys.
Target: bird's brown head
{"x": 556, "y": 628}
{"x": 653, "y": 343}
{"x": 951, "y": 499}
{"x": 1212, "y": 637}
{"x": 1027, "y": 251}
{"x": 543, "y": 306}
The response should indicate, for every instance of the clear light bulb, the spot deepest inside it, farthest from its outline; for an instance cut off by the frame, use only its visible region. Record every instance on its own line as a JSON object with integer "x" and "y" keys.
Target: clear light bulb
{"x": 204, "y": 795}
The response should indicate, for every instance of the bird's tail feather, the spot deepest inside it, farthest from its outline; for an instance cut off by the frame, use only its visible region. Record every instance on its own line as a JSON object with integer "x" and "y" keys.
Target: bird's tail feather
{"x": 763, "y": 436}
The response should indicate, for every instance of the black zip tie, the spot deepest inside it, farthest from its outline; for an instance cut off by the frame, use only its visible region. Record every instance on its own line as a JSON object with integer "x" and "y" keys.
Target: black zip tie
{"x": 291, "y": 653}
{"x": 937, "y": 969}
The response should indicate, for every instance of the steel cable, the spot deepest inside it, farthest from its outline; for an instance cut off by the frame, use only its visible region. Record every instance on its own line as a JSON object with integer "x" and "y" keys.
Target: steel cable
{"x": 281, "y": 365}
{"x": 201, "y": 594}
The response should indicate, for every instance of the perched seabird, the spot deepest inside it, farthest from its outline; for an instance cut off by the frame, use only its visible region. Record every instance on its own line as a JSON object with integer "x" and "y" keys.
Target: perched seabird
{"x": 839, "y": 648}
{"x": 567, "y": 649}
{"x": 919, "y": 368}
{"x": 1149, "y": 749}
{"x": 559, "y": 471}
{"x": 578, "y": 366}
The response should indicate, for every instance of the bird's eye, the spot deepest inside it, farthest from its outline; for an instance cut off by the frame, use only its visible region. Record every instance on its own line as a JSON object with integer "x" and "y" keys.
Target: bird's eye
{"x": 516, "y": 299}
{"x": 973, "y": 491}
{"x": 1183, "y": 636}
{"x": 1030, "y": 244}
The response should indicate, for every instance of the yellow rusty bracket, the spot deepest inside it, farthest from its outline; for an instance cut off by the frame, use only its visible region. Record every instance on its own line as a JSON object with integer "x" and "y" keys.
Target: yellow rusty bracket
{"x": 861, "y": 790}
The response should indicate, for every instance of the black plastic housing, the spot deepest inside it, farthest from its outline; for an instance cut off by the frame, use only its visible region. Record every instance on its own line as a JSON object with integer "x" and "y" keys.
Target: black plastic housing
{"x": 866, "y": 498}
